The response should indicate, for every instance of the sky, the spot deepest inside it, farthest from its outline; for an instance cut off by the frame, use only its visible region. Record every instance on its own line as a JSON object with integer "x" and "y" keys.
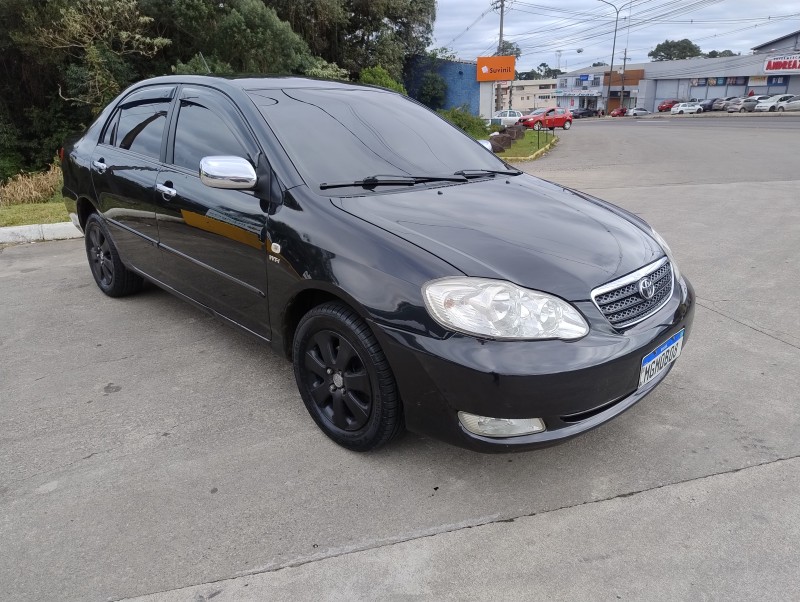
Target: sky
{"x": 583, "y": 30}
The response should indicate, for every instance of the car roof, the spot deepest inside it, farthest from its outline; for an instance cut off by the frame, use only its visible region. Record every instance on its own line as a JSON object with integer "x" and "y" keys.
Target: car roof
{"x": 250, "y": 82}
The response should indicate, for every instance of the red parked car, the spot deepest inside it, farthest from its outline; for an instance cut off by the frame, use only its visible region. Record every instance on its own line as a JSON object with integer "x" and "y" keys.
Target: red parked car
{"x": 667, "y": 104}
{"x": 619, "y": 112}
{"x": 555, "y": 117}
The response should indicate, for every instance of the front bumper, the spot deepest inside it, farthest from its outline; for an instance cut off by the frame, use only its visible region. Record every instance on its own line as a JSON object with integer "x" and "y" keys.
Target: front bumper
{"x": 573, "y": 386}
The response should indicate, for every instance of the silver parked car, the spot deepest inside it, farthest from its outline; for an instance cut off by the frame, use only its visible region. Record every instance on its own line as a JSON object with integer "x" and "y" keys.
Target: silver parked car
{"x": 771, "y": 104}
{"x": 790, "y": 104}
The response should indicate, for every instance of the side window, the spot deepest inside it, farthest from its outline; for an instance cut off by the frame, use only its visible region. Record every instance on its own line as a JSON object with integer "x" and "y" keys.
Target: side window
{"x": 141, "y": 127}
{"x": 200, "y": 133}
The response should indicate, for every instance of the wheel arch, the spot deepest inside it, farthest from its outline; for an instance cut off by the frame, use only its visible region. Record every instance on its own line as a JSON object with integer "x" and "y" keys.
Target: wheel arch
{"x": 304, "y": 301}
{"x": 85, "y": 208}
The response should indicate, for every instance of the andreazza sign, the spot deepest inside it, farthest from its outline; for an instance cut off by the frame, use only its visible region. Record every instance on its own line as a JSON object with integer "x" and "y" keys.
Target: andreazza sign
{"x": 785, "y": 63}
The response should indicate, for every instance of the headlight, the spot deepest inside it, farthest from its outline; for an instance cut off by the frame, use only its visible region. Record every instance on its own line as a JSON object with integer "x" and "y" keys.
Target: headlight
{"x": 501, "y": 310}
{"x": 668, "y": 253}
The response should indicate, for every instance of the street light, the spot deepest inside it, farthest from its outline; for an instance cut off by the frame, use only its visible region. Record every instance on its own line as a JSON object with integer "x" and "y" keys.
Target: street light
{"x": 613, "y": 48}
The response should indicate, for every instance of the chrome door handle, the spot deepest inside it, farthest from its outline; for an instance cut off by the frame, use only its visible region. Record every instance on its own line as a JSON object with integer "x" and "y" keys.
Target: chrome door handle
{"x": 166, "y": 191}
{"x": 99, "y": 166}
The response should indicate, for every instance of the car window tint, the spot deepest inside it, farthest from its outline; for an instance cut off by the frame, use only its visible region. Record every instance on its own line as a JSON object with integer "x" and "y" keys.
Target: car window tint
{"x": 200, "y": 133}
{"x": 141, "y": 127}
{"x": 335, "y": 135}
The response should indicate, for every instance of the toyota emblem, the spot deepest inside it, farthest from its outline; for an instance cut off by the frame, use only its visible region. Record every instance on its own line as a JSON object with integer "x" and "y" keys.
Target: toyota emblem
{"x": 647, "y": 288}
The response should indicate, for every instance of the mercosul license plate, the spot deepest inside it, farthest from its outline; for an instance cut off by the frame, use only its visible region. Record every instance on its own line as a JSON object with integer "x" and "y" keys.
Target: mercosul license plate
{"x": 655, "y": 362}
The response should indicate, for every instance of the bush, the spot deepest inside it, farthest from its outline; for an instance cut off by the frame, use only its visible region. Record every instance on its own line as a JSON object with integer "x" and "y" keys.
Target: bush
{"x": 378, "y": 76}
{"x": 461, "y": 117}
{"x": 31, "y": 187}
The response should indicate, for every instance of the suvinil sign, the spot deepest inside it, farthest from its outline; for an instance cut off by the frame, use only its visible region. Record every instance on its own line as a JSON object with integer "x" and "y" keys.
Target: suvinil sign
{"x": 495, "y": 68}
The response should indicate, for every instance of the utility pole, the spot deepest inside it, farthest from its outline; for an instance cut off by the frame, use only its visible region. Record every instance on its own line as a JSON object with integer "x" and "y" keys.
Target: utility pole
{"x": 613, "y": 50}
{"x": 498, "y": 96}
{"x": 622, "y": 92}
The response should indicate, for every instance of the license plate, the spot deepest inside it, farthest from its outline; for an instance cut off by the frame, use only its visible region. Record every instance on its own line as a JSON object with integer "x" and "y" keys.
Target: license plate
{"x": 655, "y": 362}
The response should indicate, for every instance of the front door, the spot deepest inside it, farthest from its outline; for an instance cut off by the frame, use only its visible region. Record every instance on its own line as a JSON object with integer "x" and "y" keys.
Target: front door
{"x": 212, "y": 239}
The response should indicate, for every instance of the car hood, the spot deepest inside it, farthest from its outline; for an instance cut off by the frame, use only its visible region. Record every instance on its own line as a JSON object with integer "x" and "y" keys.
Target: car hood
{"x": 521, "y": 229}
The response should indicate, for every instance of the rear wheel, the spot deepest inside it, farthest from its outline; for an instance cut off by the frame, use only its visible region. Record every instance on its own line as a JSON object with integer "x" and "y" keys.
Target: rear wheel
{"x": 344, "y": 378}
{"x": 772, "y": 109}
{"x": 742, "y": 110}
{"x": 780, "y": 109}
{"x": 567, "y": 125}
{"x": 110, "y": 274}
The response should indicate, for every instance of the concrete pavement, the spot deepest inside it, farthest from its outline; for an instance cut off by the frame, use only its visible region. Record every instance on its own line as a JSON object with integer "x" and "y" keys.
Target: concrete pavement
{"x": 147, "y": 449}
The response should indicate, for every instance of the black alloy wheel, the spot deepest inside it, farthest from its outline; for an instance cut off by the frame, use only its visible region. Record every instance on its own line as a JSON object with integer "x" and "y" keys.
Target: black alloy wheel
{"x": 110, "y": 274}
{"x": 344, "y": 378}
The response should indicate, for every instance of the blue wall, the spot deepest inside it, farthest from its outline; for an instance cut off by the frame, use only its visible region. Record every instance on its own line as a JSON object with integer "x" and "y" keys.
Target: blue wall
{"x": 462, "y": 87}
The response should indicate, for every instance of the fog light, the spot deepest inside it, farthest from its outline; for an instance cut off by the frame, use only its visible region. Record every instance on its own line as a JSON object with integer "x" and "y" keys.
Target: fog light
{"x": 500, "y": 427}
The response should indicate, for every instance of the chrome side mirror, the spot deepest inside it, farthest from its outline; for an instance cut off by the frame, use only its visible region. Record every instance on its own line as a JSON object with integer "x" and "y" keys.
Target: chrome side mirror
{"x": 485, "y": 144}
{"x": 227, "y": 172}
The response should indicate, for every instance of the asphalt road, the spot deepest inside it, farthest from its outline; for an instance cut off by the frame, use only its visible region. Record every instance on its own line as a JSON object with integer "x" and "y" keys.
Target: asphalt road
{"x": 146, "y": 450}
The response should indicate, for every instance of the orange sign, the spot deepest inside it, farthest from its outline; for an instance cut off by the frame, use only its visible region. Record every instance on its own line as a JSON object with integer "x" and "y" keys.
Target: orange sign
{"x": 495, "y": 68}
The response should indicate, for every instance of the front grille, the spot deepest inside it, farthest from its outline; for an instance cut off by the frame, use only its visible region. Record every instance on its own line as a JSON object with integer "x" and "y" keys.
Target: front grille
{"x": 621, "y": 302}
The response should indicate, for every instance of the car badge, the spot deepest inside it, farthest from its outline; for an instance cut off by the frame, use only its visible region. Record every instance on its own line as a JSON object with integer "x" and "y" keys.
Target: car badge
{"x": 647, "y": 288}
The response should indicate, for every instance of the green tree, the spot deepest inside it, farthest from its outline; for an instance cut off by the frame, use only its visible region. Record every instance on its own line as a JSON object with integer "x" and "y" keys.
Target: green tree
{"x": 672, "y": 50}
{"x": 432, "y": 90}
{"x": 378, "y": 76}
{"x": 508, "y": 48}
{"x": 713, "y": 54}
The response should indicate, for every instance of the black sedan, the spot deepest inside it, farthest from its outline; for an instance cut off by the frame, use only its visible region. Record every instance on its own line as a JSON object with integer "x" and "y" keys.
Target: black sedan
{"x": 581, "y": 112}
{"x": 413, "y": 278}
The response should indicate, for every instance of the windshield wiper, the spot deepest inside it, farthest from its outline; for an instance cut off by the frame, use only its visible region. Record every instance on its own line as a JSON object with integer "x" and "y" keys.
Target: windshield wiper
{"x": 393, "y": 180}
{"x": 479, "y": 173}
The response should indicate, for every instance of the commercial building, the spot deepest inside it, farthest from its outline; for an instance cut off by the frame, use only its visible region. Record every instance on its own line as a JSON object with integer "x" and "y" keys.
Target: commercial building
{"x": 774, "y": 68}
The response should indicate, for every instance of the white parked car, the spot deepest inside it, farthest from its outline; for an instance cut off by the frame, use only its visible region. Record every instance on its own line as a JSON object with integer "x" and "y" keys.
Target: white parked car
{"x": 638, "y": 111}
{"x": 771, "y": 103}
{"x": 790, "y": 104}
{"x": 507, "y": 117}
{"x": 686, "y": 107}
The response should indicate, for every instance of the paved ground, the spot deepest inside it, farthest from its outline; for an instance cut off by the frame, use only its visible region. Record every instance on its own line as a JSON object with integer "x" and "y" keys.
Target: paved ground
{"x": 147, "y": 450}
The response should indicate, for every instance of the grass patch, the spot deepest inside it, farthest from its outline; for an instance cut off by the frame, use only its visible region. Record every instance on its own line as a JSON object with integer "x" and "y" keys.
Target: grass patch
{"x": 27, "y": 188}
{"x": 33, "y": 198}
{"x": 52, "y": 212}
{"x": 532, "y": 142}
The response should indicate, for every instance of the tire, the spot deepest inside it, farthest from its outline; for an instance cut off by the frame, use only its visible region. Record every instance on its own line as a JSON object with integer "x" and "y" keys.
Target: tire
{"x": 110, "y": 274}
{"x": 742, "y": 110}
{"x": 537, "y": 125}
{"x": 333, "y": 351}
{"x": 780, "y": 109}
{"x": 772, "y": 109}
{"x": 699, "y": 111}
{"x": 680, "y": 112}
{"x": 567, "y": 125}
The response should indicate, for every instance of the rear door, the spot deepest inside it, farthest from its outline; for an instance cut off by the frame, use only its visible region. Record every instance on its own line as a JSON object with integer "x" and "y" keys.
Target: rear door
{"x": 212, "y": 239}
{"x": 125, "y": 165}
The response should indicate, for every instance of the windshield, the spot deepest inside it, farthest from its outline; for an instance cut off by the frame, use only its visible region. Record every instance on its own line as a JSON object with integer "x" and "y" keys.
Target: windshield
{"x": 341, "y": 134}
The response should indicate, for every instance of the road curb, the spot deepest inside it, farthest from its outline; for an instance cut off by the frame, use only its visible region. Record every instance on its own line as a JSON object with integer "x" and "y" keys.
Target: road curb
{"x": 535, "y": 155}
{"x": 39, "y": 232}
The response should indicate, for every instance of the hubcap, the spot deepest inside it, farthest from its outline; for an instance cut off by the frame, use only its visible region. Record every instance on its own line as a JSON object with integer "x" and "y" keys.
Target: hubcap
{"x": 337, "y": 380}
{"x": 99, "y": 252}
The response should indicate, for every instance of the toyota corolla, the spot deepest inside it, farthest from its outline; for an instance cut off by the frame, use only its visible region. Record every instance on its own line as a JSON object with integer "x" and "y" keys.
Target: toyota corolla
{"x": 414, "y": 279}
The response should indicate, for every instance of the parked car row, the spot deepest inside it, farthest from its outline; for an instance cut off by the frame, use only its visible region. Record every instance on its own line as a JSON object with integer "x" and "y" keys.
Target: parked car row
{"x": 733, "y": 104}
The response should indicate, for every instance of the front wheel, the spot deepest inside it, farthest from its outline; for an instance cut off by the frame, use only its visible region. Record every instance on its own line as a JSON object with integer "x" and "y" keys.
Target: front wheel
{"x": 344, "y": 378}
{"x": 537, "y": 125}
{"x": 567, "y": 125}
{"x": 780, "y": 109}
{"x": 110, "y": 274}
{"x": 680, "y": 112}
{"x": 699, "y": 110}
{"x": 742, "y": 110}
